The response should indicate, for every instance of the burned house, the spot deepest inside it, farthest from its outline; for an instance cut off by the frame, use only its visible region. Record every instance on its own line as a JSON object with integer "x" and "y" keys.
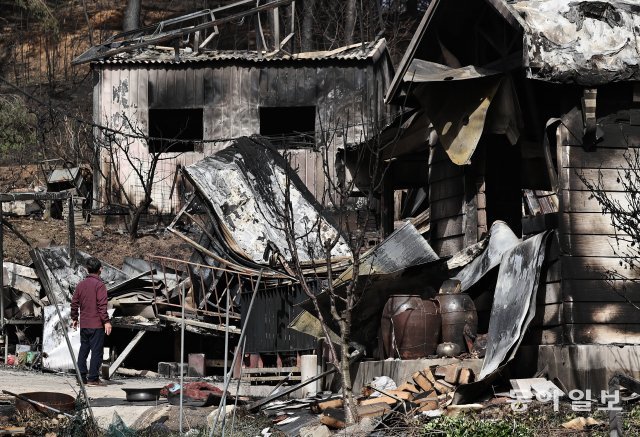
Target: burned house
{"x": 525, "y": 107}
{"x": 189, "y": 103}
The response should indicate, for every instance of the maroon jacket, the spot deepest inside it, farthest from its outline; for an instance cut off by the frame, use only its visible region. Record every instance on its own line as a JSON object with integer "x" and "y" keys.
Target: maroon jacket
{"x": 90, "y": 298}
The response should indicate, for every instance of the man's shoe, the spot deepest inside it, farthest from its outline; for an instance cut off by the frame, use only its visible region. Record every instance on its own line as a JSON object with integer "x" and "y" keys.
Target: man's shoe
{"x": 84, "y": 381}
{"x": 96, "y": 383}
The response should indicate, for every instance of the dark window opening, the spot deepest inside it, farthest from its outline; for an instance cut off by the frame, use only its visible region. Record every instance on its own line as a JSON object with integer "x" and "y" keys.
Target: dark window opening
{"x": 174, "y": 130}
{"x": 289, "y": 127}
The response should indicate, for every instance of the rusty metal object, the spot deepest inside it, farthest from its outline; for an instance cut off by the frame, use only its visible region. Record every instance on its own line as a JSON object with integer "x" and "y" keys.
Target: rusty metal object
{"x": 410, "y": 327}
{"x": 57, "y": 401}
{"x": 457, "y": 311}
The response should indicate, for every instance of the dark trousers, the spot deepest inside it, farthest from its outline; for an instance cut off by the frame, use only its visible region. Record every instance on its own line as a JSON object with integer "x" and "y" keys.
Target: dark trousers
{"x": 91, "y": 339}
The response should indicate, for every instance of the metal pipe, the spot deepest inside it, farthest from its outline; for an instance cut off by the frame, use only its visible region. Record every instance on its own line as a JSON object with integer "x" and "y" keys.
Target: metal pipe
{"x": 71, "y": 224}
{"x": 226, "y": 333}
{"x": 182, "y": 297}
{"x": 235, "y": 404}
{"x": 243, "y": 333}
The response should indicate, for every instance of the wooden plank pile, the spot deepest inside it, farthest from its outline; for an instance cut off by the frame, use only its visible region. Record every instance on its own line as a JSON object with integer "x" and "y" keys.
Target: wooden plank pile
{"x": 429, "y": 389}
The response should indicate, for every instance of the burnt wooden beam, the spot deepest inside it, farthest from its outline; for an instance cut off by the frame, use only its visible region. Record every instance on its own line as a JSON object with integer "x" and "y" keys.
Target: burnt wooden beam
{"x": 125, "y": 353}
{"x": 509, "y": 15}
{"x": 95, "y": 53}
{"x": 10, "y": 197}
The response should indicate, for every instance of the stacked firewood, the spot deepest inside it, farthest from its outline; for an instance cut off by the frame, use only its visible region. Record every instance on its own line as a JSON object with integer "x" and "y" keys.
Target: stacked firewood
{"x": 429, "y": 389}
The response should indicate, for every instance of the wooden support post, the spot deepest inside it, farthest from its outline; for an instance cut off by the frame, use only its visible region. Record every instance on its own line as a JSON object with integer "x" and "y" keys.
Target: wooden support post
{"x": 470, "y": 219}
{"x": 127, "y": 350}
{"x": 237, "y": 369}
{"x": 386, "y": 205}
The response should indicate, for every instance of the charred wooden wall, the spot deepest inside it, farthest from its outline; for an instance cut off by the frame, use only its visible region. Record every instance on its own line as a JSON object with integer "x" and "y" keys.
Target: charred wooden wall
{"x": 348, "y": 95}
{"x": 458, "y": 202}
{"x": 597, "y": 306}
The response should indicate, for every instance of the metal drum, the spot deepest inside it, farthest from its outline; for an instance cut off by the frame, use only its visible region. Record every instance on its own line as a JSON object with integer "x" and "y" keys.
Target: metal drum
{"x": 410, "y": 327}
{"x": 457, "y": 311}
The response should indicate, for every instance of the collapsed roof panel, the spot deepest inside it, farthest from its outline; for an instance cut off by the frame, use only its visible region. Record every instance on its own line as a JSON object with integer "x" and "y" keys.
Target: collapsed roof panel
{"x": 245, "y": 187}
{"x": 58, "y": 276}
{"x": 514, "y": 301}
{"x": 588, "y": 42}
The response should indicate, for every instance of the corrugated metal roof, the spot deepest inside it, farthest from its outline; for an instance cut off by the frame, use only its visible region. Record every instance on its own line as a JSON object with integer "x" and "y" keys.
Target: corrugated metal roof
{"x": 156, "y": 55}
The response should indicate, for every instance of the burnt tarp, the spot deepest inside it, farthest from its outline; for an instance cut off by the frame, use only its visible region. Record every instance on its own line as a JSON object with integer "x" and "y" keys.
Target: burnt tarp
{"x": 58, "y": 277}
{"x": 500, "y": 240}
{"x": 245, "y": 188}
{"x": 404, "y": 263}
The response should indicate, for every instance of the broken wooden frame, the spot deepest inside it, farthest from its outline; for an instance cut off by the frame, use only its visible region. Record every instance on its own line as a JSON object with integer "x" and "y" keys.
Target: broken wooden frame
{"x": 11, "y": 197}
{"x": 208, "y": 287}
{"x": 157, "y": 33}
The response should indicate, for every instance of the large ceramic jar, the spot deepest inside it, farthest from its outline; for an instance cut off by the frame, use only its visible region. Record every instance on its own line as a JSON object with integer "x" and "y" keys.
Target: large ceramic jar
{"x": 457, "y": 310}
{"x": 410, "y": 327}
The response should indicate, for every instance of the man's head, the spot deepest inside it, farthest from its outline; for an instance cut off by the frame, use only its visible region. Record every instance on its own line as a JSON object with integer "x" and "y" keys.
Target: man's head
{"x": 94, "y": 265}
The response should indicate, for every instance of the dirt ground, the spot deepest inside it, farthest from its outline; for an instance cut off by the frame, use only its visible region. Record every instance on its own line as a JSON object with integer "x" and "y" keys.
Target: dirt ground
{"x": 108, "y": 244}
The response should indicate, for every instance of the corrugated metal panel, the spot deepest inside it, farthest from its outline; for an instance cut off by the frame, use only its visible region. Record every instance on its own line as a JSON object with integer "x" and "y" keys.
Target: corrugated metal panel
{"x": 153, "y": 55}
{"x": 273, "y": 310}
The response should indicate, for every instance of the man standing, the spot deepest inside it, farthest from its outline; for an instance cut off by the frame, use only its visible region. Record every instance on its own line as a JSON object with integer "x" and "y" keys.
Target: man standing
{"x": 90, "y": 298}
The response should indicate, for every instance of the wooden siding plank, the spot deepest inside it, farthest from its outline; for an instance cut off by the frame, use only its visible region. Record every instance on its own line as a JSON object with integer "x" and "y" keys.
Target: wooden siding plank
{"x": 441, "y": 171}
{"x": 601, "y": 290}
{"x": 209, "y": 87}
{"x": 600, "y": 158}
{"x": 602, "y": 333}
{"x": 450, "y": 207}
{"x": 610, "y": 178}
{"x": 142, "y": 102}
{"x": 548, "y": 315}
{"x": 447, "y": 228}
{"x": 188, "y": 76}
{"x": 550, "y": 335}
{"x": 199, "y": 75}
{"x": 600, "y": 313}
{"x": 132, "y": 98}
{"x": 587, "y": 223}
{"x": 575, "y": 267}
{"x": 599, "y": 245}
{"x": 219, "y": 86}
{"x": 445, "y": 189}
{"x": 584, "y": 201}
{"x": 448, "y": 246}
{"x": 550, "y": 293}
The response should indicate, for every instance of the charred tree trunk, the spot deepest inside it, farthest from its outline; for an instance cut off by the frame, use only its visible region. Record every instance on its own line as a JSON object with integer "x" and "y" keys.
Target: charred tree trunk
{"x": 349, "y": 21}
{"x": 307, "y": 25}
{"x": 131, "y": 19}
{"x": 136, "y": 215}
{"x": 345, "y": 370}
